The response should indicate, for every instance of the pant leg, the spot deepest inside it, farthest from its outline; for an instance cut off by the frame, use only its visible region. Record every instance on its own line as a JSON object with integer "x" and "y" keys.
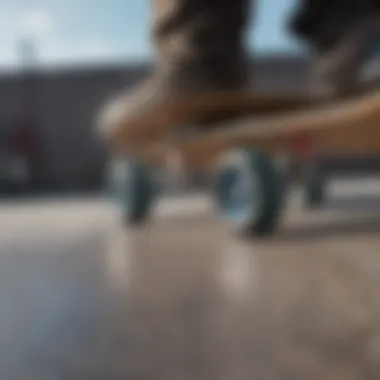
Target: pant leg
{"x": 335, "y": 71}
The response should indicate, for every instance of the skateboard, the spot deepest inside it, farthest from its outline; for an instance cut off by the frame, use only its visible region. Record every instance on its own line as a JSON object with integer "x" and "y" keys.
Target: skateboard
{"x": 248, "y": 182}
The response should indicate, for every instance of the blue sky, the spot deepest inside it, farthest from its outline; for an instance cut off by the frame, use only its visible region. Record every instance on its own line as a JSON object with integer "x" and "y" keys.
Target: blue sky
{"x": 83, "y": 31}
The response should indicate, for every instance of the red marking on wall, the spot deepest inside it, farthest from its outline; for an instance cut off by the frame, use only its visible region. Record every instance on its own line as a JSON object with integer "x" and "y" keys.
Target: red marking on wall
{"x": 303, "y": 146}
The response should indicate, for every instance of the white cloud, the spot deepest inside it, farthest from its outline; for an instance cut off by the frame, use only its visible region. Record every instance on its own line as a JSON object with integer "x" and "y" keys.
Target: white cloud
{"x": 36, "y": 23}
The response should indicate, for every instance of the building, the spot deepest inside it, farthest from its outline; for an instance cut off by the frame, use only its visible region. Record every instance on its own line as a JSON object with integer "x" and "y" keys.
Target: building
{"x": 65, "y": 103}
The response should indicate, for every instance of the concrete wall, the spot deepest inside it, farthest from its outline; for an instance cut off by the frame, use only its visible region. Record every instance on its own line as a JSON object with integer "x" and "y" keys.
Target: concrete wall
{"x": 72, "y": 158}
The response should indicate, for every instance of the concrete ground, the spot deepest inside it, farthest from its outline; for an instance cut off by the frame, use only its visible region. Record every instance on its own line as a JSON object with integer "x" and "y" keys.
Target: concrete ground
{"x": 182, "y": 298}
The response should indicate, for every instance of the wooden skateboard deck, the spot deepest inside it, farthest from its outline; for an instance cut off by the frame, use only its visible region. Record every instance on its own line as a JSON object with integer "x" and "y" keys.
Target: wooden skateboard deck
{"x": 206, "y": 110}
{"x": 347, "y": 126}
